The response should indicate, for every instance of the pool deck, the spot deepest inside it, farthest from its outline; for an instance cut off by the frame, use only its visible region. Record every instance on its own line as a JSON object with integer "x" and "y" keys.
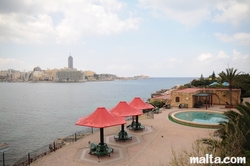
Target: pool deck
{"x": 150, "y": 147}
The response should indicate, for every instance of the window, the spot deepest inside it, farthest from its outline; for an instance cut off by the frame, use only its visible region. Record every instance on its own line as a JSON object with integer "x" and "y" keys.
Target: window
{"x": 177, "y": 99}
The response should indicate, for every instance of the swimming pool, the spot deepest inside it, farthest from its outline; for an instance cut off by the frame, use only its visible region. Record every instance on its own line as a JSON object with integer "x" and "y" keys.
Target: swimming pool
{"x": 199, "y": 118}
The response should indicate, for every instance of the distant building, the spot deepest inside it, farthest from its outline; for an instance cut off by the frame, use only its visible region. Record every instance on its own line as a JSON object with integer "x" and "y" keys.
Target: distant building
{"x": 69, "y": 75}
{"x": 37, "y": 69}
{"x": 11, "y": 75}
{"x": 89, "y": 73}
{"x": 57, "y": 75}
{"x": 37, "y": 74}
{"x": 70, "y": 62}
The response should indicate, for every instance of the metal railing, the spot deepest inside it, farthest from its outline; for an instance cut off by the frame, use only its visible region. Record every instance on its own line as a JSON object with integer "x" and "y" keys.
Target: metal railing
{"x": 52, "y": 147}
{"x": 61, "y": 142}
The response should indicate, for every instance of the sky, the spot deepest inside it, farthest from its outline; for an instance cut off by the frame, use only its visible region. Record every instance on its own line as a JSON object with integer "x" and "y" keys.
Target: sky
{"x": 157, "y": 38}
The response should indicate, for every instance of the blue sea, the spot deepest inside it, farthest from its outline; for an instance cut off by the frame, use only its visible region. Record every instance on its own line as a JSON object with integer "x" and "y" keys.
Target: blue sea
{"x": 35, "y": 114}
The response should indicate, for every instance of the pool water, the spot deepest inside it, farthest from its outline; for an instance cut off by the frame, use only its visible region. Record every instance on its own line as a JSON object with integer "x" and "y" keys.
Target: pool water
{"x": 202, "y": 117}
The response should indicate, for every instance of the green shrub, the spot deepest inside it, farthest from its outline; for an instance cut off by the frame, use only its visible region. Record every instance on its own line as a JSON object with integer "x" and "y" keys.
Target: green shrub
{"x": 247, "y": 94}
{"x": 157, "y": 103}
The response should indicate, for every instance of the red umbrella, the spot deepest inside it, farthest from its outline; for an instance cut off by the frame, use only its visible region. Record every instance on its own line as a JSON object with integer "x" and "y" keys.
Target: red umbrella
{"x": 100, "y": 118}
{"x": 122, "y": 109}
{"x": 139, "y": 104}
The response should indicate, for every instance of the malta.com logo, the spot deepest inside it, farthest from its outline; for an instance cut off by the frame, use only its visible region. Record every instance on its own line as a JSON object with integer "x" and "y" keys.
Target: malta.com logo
{"x": 209, "y": 159}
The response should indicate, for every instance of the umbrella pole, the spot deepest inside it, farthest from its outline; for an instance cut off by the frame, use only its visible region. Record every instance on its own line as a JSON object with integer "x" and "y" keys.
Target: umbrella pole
{"x": 136, "y": 119}
{"x": 122, "y": 127}
{"x": 101, "y": 136}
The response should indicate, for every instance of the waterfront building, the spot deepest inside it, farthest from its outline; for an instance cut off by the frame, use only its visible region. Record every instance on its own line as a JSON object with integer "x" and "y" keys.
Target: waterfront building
{"x": 106, "y": 77}
{"x": 89, "y": 73}
{"x": 37, "y": 69}
{"x": 69, "y": 75}
{"x": 37, "y": 75}
{"x": 70, "y": 62}
{"x": 3, "y": 73}
{"x": 65, "y": 75}
{"x": 193, "y": 96}
{"x": 51, "y": 73}
{"x": 197, "y": 97}
{"x": 12, "y": 75}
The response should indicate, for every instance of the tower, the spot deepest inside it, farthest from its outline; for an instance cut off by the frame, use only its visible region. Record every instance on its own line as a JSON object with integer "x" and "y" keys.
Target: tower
{"x": 70, "y": 62}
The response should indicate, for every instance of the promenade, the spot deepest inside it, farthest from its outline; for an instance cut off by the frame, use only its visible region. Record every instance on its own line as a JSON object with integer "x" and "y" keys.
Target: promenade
{"x": 150, "y": 147}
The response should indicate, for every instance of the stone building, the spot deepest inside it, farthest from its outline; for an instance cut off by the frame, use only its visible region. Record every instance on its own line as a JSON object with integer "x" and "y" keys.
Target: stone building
{"x": 89, "y": 73}
{"x": 13, "y": 75}
{"x": 69, "y": 75}
{"x": 190, "y": 97}
{"x": 57, "y": 75}
{"x": 51, "y": 73}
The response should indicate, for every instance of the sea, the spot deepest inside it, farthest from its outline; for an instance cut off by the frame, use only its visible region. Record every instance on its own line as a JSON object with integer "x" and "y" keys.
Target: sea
{"x": 35, "y": 114}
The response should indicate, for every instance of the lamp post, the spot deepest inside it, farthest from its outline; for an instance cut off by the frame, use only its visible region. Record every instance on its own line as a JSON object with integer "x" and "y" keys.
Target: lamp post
{"x": 3, "y": 148}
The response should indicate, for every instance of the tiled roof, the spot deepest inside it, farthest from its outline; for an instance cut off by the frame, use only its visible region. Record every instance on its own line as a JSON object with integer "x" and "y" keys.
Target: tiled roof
{"x": 168, "y": 96}
{"x": 188, "y": 90}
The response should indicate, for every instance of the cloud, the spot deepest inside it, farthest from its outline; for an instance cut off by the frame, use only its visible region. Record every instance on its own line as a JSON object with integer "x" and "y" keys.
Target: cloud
{"x": 63, "y": 21}
{"x": 238, "y": 57}
{"x": 166, "y": 64}
{"x": 9, "y": 63}
{"x": 9, "y": 60}
{"x": 239, "y": 38}
{"x": 191, "y": 13}
{"x": 233, "y": 12}
{"x": 222, "y": 55}
{"x": 205, "y": 57}
{"x": 20, "y": 28}
{"x": 220, "y": 61}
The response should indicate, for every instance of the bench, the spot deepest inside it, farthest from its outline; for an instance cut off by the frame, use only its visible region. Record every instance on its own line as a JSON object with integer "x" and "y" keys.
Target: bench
{"x": 136, "y": 126}
{"x": 102, "y": 150}
{"x": 122, "y": 136}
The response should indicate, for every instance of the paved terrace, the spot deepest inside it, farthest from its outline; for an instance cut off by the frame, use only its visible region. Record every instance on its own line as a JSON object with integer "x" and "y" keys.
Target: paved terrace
{"x": 150, "y": 147}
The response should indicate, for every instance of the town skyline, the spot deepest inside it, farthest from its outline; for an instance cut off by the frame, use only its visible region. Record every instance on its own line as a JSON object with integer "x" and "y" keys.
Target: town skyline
{"x": 153, "y": 38}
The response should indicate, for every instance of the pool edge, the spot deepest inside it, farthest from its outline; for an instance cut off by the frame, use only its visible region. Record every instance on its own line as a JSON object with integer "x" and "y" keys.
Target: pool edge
{"x": 172, "y": 118}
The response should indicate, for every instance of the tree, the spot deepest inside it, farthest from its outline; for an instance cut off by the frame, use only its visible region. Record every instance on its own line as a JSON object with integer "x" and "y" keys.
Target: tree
{"x": 201, "y": 78}
{"x": 230, "y": 76}
{"x": 235, "y": 134}
{"x": 244, "y": 84}
{"x": 238, "y": 124}
{"x": 213, "y": 77}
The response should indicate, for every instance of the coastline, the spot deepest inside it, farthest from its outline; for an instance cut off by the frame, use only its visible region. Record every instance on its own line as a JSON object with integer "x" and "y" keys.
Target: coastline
{"x": 45, "y": 92}
{"x": 80, "y": 81}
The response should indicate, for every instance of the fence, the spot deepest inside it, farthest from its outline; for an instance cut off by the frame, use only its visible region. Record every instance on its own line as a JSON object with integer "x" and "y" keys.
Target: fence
{"x": 59, "y": 143}
{"x": 52, "y": 147}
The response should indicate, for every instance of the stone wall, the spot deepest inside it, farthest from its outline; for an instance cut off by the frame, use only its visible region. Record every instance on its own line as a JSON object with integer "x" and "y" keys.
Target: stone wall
{"x": 184, "y": 98}
{"x": 219, "y": 96}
